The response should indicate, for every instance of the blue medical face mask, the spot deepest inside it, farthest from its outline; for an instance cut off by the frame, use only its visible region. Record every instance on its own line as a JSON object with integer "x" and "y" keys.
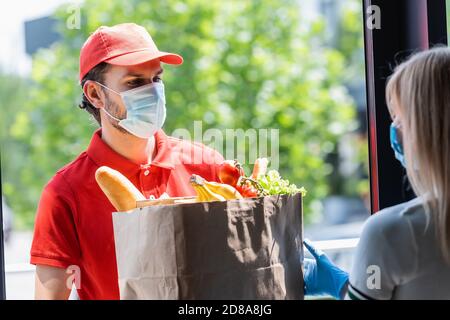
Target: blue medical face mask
{"x": 397, "y": 145}
{"x": 146, "y": 109}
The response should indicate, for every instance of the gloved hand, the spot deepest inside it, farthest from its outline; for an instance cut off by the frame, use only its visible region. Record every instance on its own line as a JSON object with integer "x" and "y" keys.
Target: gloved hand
{"x": 322, "y": 276}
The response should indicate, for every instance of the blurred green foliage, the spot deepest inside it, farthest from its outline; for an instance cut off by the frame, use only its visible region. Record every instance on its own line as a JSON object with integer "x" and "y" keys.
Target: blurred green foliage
{"x": 248, "y": 64}
{"x": 14, "y": 152}
{"x": 447, "y": 5}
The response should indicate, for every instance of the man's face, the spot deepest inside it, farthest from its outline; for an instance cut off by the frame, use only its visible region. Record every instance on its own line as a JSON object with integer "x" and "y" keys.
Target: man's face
{"x": 123, "y": 78}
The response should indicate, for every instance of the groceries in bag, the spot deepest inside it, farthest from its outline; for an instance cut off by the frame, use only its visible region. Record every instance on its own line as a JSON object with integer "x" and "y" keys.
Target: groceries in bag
{"x": 120, "y": 191}
{"x": 234, "y": 184}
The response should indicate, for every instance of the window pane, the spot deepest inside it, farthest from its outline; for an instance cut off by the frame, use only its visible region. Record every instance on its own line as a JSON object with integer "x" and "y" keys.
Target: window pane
{"x": 277, "y": 79}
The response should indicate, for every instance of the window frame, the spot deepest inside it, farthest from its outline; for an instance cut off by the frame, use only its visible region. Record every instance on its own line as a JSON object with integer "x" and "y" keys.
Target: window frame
{"x": 407, "y": 26}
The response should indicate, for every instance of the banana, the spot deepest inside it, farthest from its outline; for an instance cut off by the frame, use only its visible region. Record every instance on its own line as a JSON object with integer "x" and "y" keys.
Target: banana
{"x": 199, "y": 191}
{"x": 203, "y": 193}
{"x": 206, "y": 195}
{"x": 225, "y": 190}
{"x": 200, "y": 194}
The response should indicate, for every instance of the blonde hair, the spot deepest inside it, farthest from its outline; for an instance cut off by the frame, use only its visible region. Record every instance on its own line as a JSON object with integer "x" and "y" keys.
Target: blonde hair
{"x": 420, "y": 90}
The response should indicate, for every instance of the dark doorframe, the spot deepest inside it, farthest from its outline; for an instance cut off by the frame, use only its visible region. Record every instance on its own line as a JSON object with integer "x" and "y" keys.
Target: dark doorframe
{"x": 406, "y": 26}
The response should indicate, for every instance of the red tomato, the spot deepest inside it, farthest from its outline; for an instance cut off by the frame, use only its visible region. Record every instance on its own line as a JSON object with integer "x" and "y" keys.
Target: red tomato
{"x": 247, "y": 191}
{"x": 230, "y": 171}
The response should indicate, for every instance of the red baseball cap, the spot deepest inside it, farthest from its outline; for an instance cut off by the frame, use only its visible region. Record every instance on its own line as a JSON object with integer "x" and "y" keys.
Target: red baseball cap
{"x": 123, "y": 45}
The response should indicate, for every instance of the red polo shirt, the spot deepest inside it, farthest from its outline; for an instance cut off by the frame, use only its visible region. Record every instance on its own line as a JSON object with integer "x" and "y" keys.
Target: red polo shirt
{"x": 74, "y": 221}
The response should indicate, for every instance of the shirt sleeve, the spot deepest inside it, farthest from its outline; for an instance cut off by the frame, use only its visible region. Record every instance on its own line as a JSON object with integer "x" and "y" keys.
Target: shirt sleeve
{"x": 55, "y": 241}
{"x": 384, "y": 257}
{"x": 216, "y": 159}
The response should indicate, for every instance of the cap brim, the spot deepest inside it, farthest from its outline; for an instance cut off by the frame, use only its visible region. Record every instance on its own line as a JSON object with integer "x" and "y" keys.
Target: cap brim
{"x": 138, "y": 57}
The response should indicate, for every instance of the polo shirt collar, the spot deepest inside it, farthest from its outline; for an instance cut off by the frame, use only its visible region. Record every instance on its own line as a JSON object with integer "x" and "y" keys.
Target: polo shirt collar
{"x": 164, "y": 152}
{"x": 103, "y": 155}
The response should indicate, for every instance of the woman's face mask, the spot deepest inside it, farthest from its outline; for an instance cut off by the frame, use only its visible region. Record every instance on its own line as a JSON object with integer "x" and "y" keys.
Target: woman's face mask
{"x": 146, "y": 109}
{"x": 396, "y": 144}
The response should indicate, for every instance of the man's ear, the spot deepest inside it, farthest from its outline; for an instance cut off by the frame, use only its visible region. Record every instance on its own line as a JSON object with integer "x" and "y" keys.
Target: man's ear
{"x": 94, "y": 94}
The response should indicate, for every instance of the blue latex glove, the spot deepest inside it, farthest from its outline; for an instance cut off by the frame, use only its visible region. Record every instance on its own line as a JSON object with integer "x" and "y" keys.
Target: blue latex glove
{"x": 322, "y": 276}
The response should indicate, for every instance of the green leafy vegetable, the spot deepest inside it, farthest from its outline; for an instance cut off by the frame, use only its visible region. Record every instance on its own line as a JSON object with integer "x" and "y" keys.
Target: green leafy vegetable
{"x": 272, "y": 183}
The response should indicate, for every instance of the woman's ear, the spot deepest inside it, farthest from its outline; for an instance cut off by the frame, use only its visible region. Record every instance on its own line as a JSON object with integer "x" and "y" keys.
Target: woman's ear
{"x": 94, "y": 94}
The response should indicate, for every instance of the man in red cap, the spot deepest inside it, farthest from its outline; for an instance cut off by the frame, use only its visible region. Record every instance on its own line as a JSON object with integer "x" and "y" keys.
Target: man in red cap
{"x": 120, "y": 74}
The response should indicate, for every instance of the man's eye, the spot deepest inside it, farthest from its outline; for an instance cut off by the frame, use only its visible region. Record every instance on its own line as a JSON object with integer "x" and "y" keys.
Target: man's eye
{"x": 141, "y": 82}
{"x": 133, "y": 83}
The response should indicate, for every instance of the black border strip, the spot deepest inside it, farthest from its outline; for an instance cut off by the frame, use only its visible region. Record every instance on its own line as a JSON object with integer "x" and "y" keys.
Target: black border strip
{"x": 2, "y": 251}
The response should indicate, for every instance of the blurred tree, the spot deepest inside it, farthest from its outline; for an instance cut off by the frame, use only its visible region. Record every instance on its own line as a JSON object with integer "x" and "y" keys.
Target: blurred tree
{"x": 447, "y": 5}
{"x": 13, "y": 93}
{"x": 351, "y": 44}
{"x": 248, "y": 64}
{"x": 349, "y": 41}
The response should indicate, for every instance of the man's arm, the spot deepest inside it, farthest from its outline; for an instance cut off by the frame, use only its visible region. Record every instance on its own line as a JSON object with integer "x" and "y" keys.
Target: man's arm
{"x": 55, "y": 244}
{"x": 51, "y": 283}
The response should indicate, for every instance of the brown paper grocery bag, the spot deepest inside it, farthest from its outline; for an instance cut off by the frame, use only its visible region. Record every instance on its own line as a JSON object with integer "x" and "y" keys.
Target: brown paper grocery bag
{"x": 239, "y": 249}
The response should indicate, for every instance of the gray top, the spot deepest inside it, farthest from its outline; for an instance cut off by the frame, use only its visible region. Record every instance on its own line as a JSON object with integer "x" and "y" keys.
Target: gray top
{"x": 398, "y": 257}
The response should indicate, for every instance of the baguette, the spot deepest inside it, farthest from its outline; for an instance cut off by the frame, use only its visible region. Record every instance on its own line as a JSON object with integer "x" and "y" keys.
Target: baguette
{"x": 166, "y": 201}
{"x": 120, "y": 191}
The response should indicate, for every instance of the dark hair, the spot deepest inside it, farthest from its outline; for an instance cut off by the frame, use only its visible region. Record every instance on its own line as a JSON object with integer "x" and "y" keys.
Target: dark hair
{"x": 95, "y": 74}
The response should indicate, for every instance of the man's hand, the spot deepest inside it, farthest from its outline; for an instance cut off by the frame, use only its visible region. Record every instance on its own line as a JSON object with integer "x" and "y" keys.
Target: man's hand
{"x": 51, "y": 283}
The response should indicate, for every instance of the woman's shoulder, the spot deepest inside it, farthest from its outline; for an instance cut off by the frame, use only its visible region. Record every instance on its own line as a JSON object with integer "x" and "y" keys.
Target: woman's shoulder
{"x": 400, "y": 231}
{"x": 410, "y": 215}
{"x": 398, "y": 228}
{"x": 389, "y": 240}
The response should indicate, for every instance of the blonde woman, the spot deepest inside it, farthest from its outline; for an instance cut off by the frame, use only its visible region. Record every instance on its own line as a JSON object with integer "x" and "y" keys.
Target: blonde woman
{"x": 404, "y": 251}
